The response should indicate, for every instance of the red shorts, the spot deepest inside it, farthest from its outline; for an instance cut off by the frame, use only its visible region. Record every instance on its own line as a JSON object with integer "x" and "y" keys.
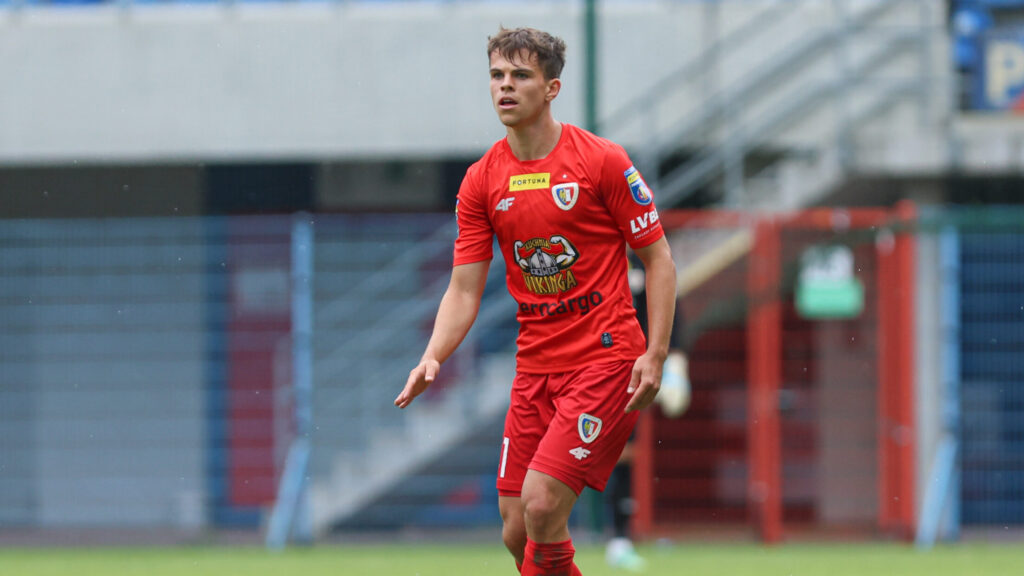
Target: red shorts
{"x": 571, "y": 426}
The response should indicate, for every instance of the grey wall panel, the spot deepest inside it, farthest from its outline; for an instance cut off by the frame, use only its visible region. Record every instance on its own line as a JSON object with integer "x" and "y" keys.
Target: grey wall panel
{"x": 103, "y": 348}
{"x": 340, "y": 80}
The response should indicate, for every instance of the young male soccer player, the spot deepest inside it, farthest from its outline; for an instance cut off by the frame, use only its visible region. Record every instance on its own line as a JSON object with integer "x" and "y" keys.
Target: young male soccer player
{"x": 563, "y": 204}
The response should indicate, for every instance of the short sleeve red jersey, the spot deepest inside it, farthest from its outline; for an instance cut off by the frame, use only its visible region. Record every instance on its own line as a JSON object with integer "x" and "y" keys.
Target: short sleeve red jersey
{"x": 562, "y": 225}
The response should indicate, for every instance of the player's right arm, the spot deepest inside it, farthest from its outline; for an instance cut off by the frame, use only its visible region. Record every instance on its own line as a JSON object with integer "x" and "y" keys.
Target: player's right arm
{"x": 455, "y": 316}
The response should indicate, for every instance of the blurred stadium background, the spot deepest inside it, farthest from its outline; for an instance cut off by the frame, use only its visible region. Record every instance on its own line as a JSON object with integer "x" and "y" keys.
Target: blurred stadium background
{"x": 225, "y": 227}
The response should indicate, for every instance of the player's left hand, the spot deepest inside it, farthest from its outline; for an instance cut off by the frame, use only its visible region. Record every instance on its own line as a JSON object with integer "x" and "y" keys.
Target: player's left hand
{"x": 420, "y": 378}
{"x": 645, "y": 381}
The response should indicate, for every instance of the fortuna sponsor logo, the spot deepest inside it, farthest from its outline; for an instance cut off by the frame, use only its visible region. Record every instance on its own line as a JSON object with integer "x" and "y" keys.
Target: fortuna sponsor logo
{"x": 589, "y": 427}
{"x": 505, "y": 203}
{"x": 582, "y": 306}
{"x": 641, "y": 223}
{"x": 538, "y": 181}
{"x": 580, "y": 452}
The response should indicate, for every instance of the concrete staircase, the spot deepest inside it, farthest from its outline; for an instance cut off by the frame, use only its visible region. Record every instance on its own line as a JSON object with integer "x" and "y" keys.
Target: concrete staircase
{"x": 870, "y": 70}
{"x": 871, "y": 76}
{"x": 372, "y": 321}
{"x": 359, "y": 477}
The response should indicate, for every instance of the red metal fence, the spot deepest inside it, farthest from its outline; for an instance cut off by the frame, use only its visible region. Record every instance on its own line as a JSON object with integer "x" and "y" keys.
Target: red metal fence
{"x": 796, "y": 422}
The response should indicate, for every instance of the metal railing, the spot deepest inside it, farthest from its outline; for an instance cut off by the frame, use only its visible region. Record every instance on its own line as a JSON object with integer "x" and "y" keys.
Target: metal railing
{"x": 164, "y": 350}
{"x": 721, "y": 131}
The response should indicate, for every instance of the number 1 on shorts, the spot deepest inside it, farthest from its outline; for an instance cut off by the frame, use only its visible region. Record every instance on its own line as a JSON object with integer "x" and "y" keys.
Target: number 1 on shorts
{"x": 504, "y": 456}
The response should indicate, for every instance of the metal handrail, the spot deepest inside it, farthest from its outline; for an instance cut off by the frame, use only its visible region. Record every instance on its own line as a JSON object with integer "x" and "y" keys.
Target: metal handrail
{"x": 715, "y": 108}
{"x": 495, "y": 310}
{"x": 714, "y": 115}
{"x": 432, "y": 245}
{"x": 684, "y": 180}
{"x": 370, "y": 339}
{"x": 695, "y": 68}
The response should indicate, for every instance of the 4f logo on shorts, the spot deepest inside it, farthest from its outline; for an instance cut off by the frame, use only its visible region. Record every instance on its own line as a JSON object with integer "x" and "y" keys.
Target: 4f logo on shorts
{"x": 589, "y": 427}
{"x": 580, "y": 452}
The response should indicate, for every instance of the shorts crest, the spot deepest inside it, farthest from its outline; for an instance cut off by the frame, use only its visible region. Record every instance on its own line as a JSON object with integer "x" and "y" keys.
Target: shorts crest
{"x": 589, "y": 427}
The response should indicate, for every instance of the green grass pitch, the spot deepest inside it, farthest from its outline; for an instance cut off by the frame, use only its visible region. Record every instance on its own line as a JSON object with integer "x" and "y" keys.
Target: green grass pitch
{"x": 974, "y": 559}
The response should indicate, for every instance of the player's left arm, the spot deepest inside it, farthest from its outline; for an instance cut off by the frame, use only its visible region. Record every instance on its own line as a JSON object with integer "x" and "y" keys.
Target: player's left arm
{"x": 661, "y": 305}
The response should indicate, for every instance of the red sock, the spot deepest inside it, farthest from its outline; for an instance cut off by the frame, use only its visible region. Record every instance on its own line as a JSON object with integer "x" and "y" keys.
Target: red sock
{"x": 549, "y": 559}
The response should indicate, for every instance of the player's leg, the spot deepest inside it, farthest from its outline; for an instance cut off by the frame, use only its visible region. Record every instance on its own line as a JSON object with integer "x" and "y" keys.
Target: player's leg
{"x": 547, "y": 503}
{"x": 513, "y": 529}
{"x": 580, "y": 447}
{"x": 529, "y": 413}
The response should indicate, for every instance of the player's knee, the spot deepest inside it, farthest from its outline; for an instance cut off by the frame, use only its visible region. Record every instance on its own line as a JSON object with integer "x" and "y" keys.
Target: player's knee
{"x": 541, "y": 509}
{"x": 514, "y": 536}
{"x": 513, "y": 531}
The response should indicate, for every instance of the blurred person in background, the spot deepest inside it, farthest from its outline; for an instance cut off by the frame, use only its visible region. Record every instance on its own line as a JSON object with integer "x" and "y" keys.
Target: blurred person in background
{"x": 619, "y": 504}
{"x": 673, "y": 399}
{"x": 564, "y": 204}
{"x": 969, "y": 20}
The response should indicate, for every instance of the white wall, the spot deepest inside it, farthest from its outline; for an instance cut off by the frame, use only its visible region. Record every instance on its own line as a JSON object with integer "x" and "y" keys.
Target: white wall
{"x": 337, "y": 80}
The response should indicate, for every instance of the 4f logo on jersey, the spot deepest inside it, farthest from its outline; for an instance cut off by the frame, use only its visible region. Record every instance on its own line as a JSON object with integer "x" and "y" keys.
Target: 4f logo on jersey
{"x": 505, "y": 204}
{"x": 565, "y": 195}
{"x": 546, "y": 264}
{"x": 637, "y": 186}
{"x": 589, "y": 427}
{"x": 641, "y": 223}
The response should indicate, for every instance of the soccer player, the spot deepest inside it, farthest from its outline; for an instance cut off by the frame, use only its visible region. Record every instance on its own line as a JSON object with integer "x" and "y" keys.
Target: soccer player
{"x": 563, "y": 204}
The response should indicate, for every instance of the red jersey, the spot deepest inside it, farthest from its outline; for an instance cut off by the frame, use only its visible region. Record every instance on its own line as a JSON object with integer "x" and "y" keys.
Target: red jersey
{"x": 562, "y": 225}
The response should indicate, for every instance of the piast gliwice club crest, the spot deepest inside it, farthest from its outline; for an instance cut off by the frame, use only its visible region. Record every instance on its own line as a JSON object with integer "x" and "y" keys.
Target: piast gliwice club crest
{"x": 546, "y": 264}
{"x": 589, "y": 427}
{"x": 566, "y": 195}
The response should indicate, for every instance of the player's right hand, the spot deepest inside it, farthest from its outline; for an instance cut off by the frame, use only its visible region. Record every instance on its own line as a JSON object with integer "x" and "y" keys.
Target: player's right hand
{"x": 419, "y": 380}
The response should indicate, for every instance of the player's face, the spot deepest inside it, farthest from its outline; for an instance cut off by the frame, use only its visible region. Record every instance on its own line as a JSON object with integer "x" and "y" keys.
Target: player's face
{"x": 519, "y": 91}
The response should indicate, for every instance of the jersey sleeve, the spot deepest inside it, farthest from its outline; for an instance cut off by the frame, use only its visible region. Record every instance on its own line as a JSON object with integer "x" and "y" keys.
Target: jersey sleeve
{"x": 475, "y": 236}
{"x": 629, "y": 199}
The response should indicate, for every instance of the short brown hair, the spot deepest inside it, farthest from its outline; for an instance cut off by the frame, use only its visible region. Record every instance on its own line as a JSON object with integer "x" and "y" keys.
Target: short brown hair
{"x": 550, "y": 50}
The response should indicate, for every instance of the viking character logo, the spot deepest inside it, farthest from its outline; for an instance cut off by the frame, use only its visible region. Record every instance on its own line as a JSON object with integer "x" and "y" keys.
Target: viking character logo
{"x": 547, "y": 264}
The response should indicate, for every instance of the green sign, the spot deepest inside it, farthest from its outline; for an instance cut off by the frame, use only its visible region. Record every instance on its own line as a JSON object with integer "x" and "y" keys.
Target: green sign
{"x": 827, "y": 287}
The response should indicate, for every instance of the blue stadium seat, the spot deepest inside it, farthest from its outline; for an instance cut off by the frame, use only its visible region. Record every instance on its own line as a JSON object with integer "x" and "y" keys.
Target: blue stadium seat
{"x": 992, "y": 388}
